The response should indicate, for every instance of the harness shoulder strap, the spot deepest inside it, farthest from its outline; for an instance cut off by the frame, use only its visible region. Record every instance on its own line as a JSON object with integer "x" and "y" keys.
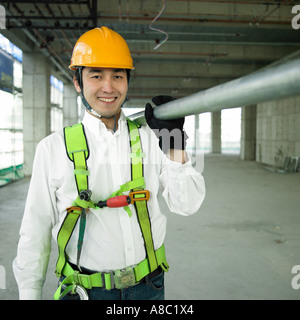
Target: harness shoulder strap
{"x": 78, "y": 152}
{"x": 141, "y": 206}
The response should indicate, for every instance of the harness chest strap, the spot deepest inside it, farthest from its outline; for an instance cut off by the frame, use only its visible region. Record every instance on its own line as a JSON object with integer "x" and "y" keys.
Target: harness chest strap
{"x": 78, "y": 152}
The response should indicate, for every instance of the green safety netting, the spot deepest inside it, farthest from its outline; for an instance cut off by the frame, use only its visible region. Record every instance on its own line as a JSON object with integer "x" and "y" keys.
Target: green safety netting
{"x": 10, "y": 174}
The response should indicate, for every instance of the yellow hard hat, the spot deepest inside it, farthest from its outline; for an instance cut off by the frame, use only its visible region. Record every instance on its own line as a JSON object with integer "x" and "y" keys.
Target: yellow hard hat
{"x": 103, "y": 48}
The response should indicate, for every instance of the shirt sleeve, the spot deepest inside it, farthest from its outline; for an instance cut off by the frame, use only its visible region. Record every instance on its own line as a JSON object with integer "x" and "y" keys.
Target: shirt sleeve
{"x": 183, "y": 186}
{"x": 34, "y": 247}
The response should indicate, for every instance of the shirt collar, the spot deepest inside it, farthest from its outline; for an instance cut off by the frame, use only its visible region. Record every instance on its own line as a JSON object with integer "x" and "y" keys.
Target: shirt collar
{"x": 96, "y": 126}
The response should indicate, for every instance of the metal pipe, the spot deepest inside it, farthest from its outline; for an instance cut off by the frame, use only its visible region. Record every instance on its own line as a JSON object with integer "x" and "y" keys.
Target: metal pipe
{"x": 269, "y": 84}
{"x": 138, "y": 117}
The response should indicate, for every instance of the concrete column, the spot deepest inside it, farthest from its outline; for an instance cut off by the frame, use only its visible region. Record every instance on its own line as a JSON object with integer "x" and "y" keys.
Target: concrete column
{"x": 70, "y": 108}
{"x": 216, "y": 132}
{"x": 278, "y": 134}
{"x": 36, "y": 104}
{"x": 248, "y": 133}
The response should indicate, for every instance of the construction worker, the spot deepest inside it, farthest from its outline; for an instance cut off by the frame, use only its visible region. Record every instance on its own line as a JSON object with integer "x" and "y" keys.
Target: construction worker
{"x": 94, "y": 188}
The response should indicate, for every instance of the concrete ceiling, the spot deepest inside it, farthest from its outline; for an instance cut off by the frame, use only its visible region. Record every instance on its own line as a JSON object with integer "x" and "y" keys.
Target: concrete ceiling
{"x": 209, "y": 42}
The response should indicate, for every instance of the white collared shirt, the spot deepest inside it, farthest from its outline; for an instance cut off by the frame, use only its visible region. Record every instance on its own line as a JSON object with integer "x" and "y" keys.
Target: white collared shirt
{"x": 112, "y": 239}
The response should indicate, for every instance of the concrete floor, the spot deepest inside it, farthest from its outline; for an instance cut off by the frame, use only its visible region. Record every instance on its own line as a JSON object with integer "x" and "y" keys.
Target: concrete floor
{"x": 242, "y": 244}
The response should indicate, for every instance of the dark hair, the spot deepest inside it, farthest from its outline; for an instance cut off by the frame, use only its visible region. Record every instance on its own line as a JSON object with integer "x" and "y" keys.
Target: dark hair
{"x": 128, "y": 74}
{"x": 77, "y": 75}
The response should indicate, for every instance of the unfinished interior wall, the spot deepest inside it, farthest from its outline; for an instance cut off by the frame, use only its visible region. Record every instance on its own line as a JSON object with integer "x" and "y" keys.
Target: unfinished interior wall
{"x": 278, "y": 131}
{"x": 248, "y": 133}
{"x": 36, "y": 104}
{"x": 70, "y": 109}
{"x": 216, "y": 132}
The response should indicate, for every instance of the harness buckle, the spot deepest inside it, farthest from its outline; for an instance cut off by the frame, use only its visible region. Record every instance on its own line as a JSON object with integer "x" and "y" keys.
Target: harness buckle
{"x": 124, "y": 278}
{"x": 80, "y": 290}
{"x": 75, "y": 210}
{"x": 139, "y": 195}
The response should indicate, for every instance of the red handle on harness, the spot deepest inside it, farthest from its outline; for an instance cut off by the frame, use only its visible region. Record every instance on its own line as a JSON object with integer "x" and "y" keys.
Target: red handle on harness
{"x": 118, "y": 201}
{"x": 115, "y": 202}
{"x": 123, "y": 201}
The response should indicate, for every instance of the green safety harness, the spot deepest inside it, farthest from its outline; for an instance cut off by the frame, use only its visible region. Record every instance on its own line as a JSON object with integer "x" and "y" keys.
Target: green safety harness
{"x": 78, "y": 153}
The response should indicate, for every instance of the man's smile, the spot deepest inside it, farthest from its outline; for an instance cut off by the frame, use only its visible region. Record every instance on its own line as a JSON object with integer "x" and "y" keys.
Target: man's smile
{"x": 107, "y": 100}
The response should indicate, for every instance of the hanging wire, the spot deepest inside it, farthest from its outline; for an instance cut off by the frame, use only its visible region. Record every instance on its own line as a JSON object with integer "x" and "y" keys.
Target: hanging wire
{"x": 160, "y": 30}
{"x": 120, "y": 11}
{"x": 127, "y": 10}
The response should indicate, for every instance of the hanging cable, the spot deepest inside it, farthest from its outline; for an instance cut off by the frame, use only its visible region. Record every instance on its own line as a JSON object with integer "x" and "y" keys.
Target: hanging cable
{"x": 127, "y": 11}
{"x": 160, "y": 30}
{"x": 120, "y": 11}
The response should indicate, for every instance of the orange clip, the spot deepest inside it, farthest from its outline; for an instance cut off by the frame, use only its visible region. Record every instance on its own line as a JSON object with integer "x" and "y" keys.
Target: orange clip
{"x": 133, "y": 193}
{"x": 76, "y": 210}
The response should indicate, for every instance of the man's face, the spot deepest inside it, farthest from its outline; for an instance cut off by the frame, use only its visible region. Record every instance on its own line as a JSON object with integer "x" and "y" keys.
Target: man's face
{"x": 105, "y": 89}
